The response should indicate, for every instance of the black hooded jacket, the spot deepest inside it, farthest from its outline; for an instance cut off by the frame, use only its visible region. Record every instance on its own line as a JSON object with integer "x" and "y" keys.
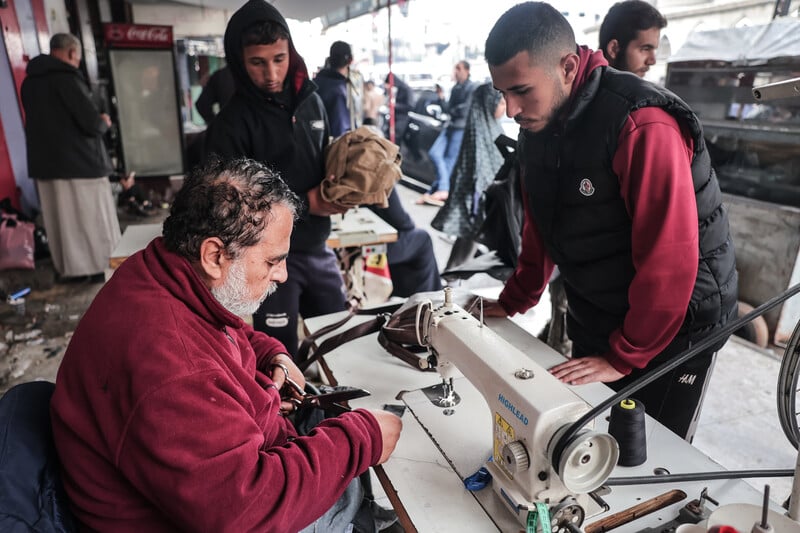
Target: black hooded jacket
{"x": 288, "y": 138}
{"x": 63, "y": 127}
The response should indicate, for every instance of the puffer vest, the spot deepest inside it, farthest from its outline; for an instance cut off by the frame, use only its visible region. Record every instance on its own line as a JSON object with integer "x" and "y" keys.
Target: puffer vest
{"x": 575, "y": 199}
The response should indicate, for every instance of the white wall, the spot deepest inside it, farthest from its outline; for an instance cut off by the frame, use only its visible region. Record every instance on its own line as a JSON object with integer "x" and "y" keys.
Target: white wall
{"x": 186, "y": 21}
{"x": 56, "y": 18}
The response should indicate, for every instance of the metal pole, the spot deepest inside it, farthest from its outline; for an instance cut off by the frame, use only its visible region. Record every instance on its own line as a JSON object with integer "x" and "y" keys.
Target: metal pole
{"x": 391, "y": 77}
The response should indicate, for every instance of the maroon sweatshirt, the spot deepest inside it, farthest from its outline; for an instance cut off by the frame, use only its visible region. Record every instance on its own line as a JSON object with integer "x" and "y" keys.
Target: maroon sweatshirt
{"x": 162, "y": 422}
{"x": 652, "y": 162}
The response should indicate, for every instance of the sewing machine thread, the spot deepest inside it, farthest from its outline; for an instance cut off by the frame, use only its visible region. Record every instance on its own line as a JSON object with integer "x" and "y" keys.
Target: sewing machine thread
{"x": 627, "y": 426}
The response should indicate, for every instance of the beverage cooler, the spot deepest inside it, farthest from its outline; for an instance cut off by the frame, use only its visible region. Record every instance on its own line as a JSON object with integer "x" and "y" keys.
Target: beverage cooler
{"x": 146, "y": 97}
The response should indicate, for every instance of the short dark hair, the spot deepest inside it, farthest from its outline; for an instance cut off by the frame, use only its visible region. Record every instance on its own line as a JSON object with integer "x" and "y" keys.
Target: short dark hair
{"x": 64, "y": 41}
{"x": 230, "y": 199}
{"x": 625, "y": 19}
{"x": 464, "y": 63}
{"x": 340, "y": 55}
{"x": 263, "y": 32}
{"x": 534, "y": 27}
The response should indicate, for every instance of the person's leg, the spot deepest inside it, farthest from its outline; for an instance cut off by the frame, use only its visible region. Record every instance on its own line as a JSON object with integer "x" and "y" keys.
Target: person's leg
{"x": 557, "y": 333}
{"x": 412, "y": 263}
{"x": 339, "y": 518}
{"x": 277, "y": 316}
{"x": 324, "y": 286}
{"x": 454, "y": 138}
{"x": 437, "y": 154}
{"x": 676, "y": 398}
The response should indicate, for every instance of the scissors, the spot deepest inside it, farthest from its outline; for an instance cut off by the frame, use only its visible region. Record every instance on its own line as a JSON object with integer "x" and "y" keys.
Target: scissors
{"x": 326, "y": 400}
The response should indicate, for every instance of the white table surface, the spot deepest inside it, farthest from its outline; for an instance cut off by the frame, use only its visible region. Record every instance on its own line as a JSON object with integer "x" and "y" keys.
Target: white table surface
{"x": 427, "y": 475}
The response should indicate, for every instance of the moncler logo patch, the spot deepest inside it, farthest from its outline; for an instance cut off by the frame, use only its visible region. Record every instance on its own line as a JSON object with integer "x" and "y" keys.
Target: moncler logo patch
{"x": 276, "y": 320}
{"x": 586, "y": 188}
{"x": 317, "y": 124}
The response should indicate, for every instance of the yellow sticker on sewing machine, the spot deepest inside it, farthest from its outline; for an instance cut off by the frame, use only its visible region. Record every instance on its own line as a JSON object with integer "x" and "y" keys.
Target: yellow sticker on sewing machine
{"x": 503, "y": 434}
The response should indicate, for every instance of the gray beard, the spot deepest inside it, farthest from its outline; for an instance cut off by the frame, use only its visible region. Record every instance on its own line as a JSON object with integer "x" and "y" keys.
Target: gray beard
{"x": 234, "y": 295}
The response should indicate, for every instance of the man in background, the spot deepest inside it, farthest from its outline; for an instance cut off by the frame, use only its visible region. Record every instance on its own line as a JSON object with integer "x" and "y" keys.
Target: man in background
{"x": 68, "y": 159}
{"x": 630, "y": 35}
{"x": 341, "y": 89}
{"x": 444, "y": 151}
{"x": 412, "y": 262}
{"x": 277, "y": 118}
{"x": 219, "y": 88}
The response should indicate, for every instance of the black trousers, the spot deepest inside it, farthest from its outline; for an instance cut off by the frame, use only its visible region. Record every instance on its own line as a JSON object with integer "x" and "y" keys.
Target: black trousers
{"x": 314, "y": 287}
{"x": 674, "y": 399}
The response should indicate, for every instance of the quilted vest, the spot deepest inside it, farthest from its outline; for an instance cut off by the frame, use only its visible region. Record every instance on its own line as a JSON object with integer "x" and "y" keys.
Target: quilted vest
{"x": 575, "y": 199}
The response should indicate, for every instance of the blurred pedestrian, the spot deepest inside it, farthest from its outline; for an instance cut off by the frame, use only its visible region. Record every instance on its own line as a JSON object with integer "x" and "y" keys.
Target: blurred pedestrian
{"x": 444, "y": 151}
{"x": 412, "y": 262}
{"x": 341, "y": 88}
{"x": 403, "y": 103}
{"x": 478, "y": 162}
{"x": 68, "y": 159}
{"x": 373, "y": 100}
{"x": 215, "y": 94}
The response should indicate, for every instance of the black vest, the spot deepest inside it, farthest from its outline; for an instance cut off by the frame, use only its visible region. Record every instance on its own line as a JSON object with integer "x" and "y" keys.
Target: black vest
{"x": 575, "y": 200}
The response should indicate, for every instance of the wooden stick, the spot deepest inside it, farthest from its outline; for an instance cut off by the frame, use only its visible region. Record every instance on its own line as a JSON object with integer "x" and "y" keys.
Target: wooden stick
{"x": 637, "y": 511}
{"x": 391, "y": 493}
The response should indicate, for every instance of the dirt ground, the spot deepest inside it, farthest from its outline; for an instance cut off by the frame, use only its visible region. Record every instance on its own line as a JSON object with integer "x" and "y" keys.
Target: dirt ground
{"x": 32, "y": 343}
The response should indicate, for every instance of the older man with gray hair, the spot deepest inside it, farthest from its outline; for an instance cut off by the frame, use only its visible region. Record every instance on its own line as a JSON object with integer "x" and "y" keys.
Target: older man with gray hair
{"x": 67, "y": 157}
{"x": 169, "y": 410}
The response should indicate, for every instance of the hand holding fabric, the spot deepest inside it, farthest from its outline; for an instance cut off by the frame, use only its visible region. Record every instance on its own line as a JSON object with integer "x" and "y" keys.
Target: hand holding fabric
{"x": 317, "y": 205}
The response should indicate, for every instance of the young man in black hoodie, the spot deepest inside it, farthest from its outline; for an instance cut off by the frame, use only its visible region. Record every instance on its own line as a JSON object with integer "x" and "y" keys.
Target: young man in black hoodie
{"x": 277, "y": 118}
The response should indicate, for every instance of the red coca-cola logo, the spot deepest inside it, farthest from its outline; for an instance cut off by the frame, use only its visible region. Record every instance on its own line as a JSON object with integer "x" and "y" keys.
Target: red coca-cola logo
{"x": 139, "y": 35}
{"x": 151, "y": 34}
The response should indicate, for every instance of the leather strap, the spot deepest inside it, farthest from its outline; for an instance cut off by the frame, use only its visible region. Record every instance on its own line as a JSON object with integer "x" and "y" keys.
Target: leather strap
{"x": 347, "y": 335}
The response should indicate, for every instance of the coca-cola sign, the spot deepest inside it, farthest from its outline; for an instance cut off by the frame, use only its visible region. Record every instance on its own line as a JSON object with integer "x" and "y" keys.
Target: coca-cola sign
{"x": 138, "y": 35}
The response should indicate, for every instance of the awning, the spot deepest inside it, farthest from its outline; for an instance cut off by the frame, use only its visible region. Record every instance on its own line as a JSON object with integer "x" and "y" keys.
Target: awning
{"x": 751, "y": 45}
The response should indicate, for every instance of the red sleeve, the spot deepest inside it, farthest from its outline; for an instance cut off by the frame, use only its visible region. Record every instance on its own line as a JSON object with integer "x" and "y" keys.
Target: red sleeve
{"x": 653, "y": 165}
{"x": 264, "y": 346}
{"x": 211, "y": 469}
{"x": 534, "y": 267}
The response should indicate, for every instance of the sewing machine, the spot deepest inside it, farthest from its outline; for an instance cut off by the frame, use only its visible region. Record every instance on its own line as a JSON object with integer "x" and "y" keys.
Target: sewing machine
{"x": 530, "y": 411}
{"x": 441, "y": 446}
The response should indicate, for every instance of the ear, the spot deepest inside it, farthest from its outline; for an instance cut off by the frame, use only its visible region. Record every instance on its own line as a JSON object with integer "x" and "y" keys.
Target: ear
{"x": 213, "y": 260}
{"x": 569, "y": 67}
{"x": 72, "y": 54}
{"x": 612, "y": 49}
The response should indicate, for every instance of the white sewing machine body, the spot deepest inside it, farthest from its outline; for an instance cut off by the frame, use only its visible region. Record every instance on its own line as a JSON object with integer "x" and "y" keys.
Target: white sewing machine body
{"x": 530, "y": 410}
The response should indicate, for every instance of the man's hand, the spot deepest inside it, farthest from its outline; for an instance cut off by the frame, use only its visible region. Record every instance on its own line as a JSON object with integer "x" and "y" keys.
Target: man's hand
{"x": 582, "y": 370}
{"x": 282, "y": 366}
{"x": 390, "y": 431}
{"x": 128, "y": 180}
{"x": 106, "y": 119}
{"x": 320, "y": 207}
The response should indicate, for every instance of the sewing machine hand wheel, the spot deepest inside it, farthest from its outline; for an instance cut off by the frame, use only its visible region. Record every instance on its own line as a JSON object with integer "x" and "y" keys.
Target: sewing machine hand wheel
{"x": 788, "y": 388}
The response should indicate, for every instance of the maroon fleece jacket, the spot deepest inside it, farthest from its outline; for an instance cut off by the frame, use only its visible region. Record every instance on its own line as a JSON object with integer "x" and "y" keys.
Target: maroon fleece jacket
{"x": 652, "y": 162}
{"x": 162, "y": 420}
